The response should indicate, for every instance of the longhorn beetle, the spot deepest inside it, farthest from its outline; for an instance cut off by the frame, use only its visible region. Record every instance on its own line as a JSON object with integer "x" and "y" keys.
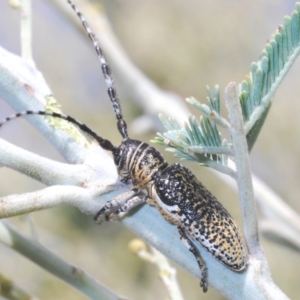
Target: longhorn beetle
{"x": 178, "y": 195}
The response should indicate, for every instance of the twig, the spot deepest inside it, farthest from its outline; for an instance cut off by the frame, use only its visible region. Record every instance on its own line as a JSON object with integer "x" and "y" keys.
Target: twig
{"x": 43, "y": 169}
{"x": 10, "y": 290}
{"x": 143, "y": 91}
{"x": 166, "y": 272}
{"x": 18, "y": 204}
{"x": 54, "y": 264}
{"x": 26, "y": 30}
{"x": 258, "y": 263}
{"x": 274, "y": 210}
{"x": 211, "y": 150}
{"x": 242, "y": 162}
{"x": 24, "y": 6}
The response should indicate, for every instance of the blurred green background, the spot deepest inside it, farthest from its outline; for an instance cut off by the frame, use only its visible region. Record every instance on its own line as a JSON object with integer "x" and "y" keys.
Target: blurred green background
{"x": 182, "y": 46}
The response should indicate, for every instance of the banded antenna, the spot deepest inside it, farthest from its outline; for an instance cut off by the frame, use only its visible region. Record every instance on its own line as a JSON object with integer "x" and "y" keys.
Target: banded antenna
{"x": 122, "y": 126}
{"x": 105, "y": 144}
{"x": 111, "y": 90}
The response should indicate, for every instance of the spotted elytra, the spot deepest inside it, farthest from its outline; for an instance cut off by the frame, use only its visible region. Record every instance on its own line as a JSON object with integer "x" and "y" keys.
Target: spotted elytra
{"x": 178, "y": 195}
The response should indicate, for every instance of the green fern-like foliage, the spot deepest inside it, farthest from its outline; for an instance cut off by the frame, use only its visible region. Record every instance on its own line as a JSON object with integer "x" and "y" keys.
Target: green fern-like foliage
{"x": 257, "y": 89}
{"x": 200, "y": 140}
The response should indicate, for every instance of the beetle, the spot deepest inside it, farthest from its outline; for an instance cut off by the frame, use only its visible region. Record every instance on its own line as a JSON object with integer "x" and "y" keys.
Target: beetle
{"x": 173, "y": 189}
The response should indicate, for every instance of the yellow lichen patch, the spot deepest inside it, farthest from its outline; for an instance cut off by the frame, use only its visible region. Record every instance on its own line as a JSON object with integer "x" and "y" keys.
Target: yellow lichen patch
{"x": 53, "y": 106}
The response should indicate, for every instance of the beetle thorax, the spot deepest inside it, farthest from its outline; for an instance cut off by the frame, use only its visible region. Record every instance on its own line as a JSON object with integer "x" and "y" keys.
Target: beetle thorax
{"x": 139, "y": 162}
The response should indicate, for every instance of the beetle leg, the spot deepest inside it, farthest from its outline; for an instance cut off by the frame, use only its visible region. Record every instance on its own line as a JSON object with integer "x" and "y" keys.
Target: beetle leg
{"x": 128, "y": 205}
{"x": 188, "y": 243}
{"x": 115, "y": 202}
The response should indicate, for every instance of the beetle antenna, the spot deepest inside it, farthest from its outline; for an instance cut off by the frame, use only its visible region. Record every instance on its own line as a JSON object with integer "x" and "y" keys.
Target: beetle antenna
{"x": 111, "y": 90}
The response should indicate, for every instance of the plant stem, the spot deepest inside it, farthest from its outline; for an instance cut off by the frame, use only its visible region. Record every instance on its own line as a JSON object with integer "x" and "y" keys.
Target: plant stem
{"x": 243, "y": 168}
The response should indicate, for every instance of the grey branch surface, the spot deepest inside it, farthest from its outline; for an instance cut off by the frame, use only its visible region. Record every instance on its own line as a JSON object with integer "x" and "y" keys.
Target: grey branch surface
{"x": 54, "y": 264}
